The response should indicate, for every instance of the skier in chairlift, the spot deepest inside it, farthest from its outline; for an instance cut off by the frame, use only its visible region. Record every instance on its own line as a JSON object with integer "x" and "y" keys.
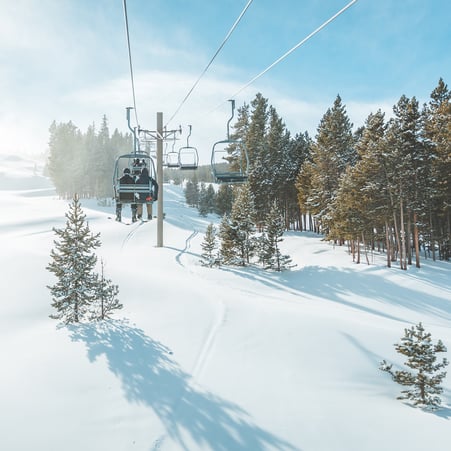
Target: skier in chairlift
{"x": 126, "y": 179}
{"x": 148, "y": 197}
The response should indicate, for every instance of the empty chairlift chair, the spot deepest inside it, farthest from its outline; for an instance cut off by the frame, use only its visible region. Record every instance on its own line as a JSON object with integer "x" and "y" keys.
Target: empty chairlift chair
{"x": 188, "y": 157}
{"x": 229, "y": 159}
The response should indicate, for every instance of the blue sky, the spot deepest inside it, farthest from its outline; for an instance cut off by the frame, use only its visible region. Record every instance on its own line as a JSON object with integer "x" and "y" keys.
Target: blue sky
{"x": 67, "y": 60}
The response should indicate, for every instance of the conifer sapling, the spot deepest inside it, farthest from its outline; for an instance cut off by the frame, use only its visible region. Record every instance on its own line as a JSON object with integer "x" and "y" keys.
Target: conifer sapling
{"x": 73, "y": 262}
{"x": 425, "y": 382}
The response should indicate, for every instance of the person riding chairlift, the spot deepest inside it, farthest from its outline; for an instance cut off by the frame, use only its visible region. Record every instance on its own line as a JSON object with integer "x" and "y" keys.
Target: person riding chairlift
{"x": 126, "y": 179}
{"x": 148, "y": 197}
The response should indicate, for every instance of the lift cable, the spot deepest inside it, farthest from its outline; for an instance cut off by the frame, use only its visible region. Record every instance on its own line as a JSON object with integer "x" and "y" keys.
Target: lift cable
{"x": 212, "y": 59}
{"x": 290, "y": 51}
{"x": 130, "y": 62}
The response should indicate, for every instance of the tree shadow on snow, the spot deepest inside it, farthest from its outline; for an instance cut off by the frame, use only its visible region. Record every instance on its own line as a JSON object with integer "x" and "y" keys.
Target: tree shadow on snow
{"x": 342, "y": 285}
{"x": 150, "y": 377}
{"x": 445, "y": 410}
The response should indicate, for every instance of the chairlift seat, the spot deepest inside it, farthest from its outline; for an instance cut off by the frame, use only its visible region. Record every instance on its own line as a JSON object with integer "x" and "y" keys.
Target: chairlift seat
{"x": 188, "y": 158}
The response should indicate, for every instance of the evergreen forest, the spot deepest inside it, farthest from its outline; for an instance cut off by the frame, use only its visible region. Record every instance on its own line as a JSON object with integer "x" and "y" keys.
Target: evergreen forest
{"x": 82, "y": 163}
{"x": 384, "y": 186}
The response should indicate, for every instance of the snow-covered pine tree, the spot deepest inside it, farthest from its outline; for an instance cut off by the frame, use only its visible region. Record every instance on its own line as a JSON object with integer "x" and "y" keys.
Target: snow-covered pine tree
{"x": 261, "y": 171}
{"x": 106, "y": 300}
{"x": 242, "y": 224}
{"x": 73, "y": 262}
{"x": 332, "y": 151}
{"x": 202, "y": 206}
{"x": 410, "y": 159}
{"x": 206, "y": 199}
{"x": 227, "y": 236}
{"x": 210, "y": 198}
{"x": 417, "y": 346}
{"x": 269, "y": 251}
{"x": 437, "y": 134}
{"x": 224, "y": 199}
{"x": 209, "y": 247}
{"x": 65, "y": 144}
{"x": 192, "y": 192}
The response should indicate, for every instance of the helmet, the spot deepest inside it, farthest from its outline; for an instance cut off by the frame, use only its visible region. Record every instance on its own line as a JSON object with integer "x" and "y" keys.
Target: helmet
{"x": 126, "y": 171}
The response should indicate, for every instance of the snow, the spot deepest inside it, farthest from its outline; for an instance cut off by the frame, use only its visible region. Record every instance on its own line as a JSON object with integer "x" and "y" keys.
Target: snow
{"x": 207, "y": 359}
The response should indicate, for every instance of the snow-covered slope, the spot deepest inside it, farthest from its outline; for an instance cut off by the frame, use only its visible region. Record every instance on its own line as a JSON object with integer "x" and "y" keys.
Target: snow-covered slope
{"x": 207, "y": 359}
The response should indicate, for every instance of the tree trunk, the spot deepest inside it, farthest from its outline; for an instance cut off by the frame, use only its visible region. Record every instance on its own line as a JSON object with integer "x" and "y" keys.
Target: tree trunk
{"x": 388, "y": 244}
{"x": 364, "y": 247}
{"x": 398, "y": 241}
{"x": 416, "y": 240}
{"x": 358, "y": 250}
{"x": 408, "y": 238}
{"x": 402, "y": 256}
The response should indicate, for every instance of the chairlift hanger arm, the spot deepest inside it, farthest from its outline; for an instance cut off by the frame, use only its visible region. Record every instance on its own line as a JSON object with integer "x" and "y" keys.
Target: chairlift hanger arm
{"x": 189, "y": 134}
{"x": 231, "y": 117}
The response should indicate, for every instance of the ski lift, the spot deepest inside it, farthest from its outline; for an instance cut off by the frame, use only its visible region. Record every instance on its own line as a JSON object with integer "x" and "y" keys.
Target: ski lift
{"x": 172, "y": 158}
{"x": 229, "y": 159}
{"x": 188, "y": 156}
{"x": 134, "y": 193}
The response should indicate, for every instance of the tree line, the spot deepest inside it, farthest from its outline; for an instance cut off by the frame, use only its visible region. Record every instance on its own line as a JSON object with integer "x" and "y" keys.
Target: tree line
{"x": 83, "y": 163}
{"x": 385, "y": 185}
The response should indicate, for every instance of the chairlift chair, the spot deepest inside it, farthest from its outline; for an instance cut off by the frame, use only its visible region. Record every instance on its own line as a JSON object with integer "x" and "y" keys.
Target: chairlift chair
{"x": 172, "y": 157}
{"x": 188, "y": 157}
{"x": 229, "y": 159}
{"x": 229, "y": 162}
{"x": 131, "y": 193}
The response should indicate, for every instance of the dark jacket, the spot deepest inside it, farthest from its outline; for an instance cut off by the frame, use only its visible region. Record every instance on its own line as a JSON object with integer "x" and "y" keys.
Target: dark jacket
{"x": 145, "y": 179}
{"x": 127, "y": 179}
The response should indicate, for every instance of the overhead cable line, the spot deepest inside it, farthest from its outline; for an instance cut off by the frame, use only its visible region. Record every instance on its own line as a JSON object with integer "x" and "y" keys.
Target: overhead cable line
{"x": 293, "y": 49}
{"x": 130, "y": 61}
{"x": 212, "y": 59}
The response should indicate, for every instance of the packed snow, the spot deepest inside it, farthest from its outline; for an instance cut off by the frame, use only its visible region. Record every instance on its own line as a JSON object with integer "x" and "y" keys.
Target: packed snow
{"x": 207, "y": 359}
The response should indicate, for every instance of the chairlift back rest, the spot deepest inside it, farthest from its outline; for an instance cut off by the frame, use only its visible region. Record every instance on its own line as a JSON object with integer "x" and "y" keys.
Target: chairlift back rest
{"x": 126, "y": 192}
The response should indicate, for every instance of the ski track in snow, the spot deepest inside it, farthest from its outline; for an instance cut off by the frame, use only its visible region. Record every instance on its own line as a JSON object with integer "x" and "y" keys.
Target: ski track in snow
{"x": 130, "y": 234}
{"x": 199, "y": 365}
{"x": 207, "y": 348}
{"x": 205, "y": 352}
{"x": 187, "y": 246}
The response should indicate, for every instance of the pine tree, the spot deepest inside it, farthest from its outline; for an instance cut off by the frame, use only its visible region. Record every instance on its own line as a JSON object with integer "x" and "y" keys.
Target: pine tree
{"x": 332, "y": 152}
{"x": 64, "y": 165}
{"x": 89, "y": 155}
{"x": 192, "y": 192}
{"x": 417, "y": 346}
{"x": 269, "y": 250}
{"x": 224, "y": 199}
{"x": 104, "y": 163}
{"x": 206, "y": 199}
{"x": 210, "y": 196}
{"x": 209, "y": 247}
{"x": 73, "y": 262}
{"x": 256, "y": 128}
{"x": 437, "y": 134}
{"x": 202, "y": 205}
{"x": 242, "y": 224}
{"x": 361, "y": 204}
{"x": 106, "y": 300}
{"x": 294, "y": 154}
{"x": 228, "y": 237}
{"x": 410, "y": 166}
